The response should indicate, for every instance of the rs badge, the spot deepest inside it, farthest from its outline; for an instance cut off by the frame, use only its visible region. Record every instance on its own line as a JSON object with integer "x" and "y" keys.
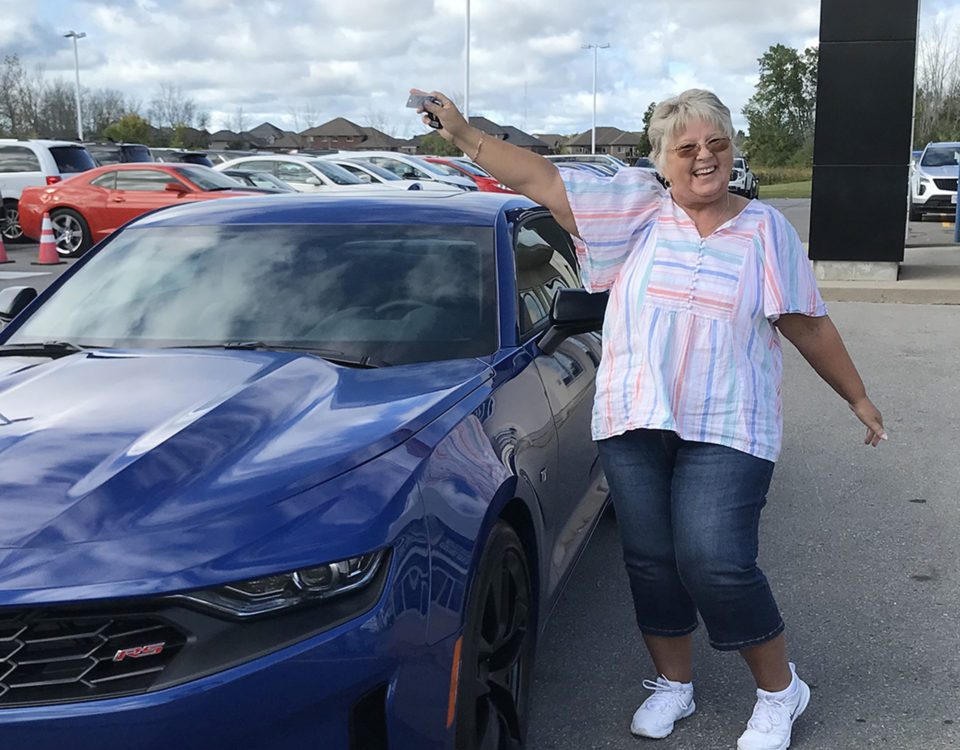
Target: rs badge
{"x": 138, "y": 652}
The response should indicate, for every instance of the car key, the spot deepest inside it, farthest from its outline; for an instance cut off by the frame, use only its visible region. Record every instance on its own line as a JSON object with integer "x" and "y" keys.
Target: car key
{"x": 416, "y": 101}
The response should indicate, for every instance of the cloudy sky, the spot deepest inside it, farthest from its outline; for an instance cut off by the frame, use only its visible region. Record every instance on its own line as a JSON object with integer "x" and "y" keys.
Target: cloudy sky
{"x": 357, "y": 58}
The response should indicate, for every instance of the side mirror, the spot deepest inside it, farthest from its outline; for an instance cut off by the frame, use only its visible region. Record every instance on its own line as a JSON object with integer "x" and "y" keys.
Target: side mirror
{"x": 364, "y": 177}
{"x": 410, "y": 175}
{"x": 574, "y": 311}
{"x": 13, "y": 299}
{"x": 313, "y": 180}
{"x": 175, "y": 187}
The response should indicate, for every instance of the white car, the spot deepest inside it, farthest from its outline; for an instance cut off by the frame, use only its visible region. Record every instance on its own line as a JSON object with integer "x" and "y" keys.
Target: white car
{"x": 375, "y": 175}
{"x": 27, "y": 163}
{"x": 409, "y": 167}
{"x": 307, "y": 174}
{"x": 742, "y": 180}
{"x": 602, "y": 159}
{"x": 933, "y": 180}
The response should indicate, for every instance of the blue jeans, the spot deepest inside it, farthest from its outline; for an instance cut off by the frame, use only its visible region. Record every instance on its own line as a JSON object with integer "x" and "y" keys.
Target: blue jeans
{"x": 689, "y": 515}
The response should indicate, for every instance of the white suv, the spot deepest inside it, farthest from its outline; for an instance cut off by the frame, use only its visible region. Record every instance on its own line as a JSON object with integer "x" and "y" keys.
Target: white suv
{"x": 25, "y": 163}
{"x": 933, "y": 181}
{"x": 743, "y": 181}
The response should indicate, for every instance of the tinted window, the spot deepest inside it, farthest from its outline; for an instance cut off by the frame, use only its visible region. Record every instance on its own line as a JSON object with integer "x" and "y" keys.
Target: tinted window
{"x": 545, "y": 263}
{"x": 337, "y": 174}
{"x": 445, "y": 169}
{"x": 71, "y": 159}
{"x": 369, "y": 168}
{"x": 18, "y": 159}
{"x": 257, "y": 165}
{"x": 206, "y": 178}
{"x": 472, "y": 169}
{"x": 137, "y": 154}
{"x": 643, "y": 161}
{"x": 107, "y": 181}
{"x": 392, "y": 292}
{"x": 144, "y": 179}
{"x": 940, "y": 157}
{"x": 104, "y": 155}
{"x": 295, "y": 173}
{"x": 401, "y": 169}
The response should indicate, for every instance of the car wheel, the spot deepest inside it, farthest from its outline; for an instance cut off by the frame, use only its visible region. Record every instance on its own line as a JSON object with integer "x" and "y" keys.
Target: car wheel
{"x": 71, "y": 232}
{"x": 11, "y": 223}
{"x": 498, "y": 648}
{"x": 915, "y": 213}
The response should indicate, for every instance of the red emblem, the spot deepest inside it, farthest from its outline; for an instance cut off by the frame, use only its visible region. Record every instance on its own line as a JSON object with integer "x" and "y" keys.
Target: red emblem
{"x": 138, "y": 652}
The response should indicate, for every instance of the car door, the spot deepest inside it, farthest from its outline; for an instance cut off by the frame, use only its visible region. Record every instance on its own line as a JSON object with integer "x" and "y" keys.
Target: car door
{"x": 138, "y": 191}
{"x": 545, "y": 262}
{"x": 95, "y": 202}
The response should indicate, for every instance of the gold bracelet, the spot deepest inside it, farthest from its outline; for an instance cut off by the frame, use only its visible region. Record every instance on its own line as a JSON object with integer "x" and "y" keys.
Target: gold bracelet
{"x": 479, "y": 146}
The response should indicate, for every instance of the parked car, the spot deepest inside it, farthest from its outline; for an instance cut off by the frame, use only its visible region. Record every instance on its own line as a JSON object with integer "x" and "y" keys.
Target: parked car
{"x": 91, "y": 206}
{"x": 118, "y": 153}
{"x": 180, "y": 156}
{"x": 933, "y": 182}
{"x": 742, "y": 180}
{"x": 411, "y": 167}
{"x": 645, "y": 163}
{"x": 260, "y": 180}
{"x": 374, "y": 175}
{"x": 603, "y": 159}
{"x": 220, "y": 156}
{"x": 486, "y": 182}
{"x": 307, "y": 174}
{"x": 604, "y": 170}
{"x": 25, "y": 163}
{"x": 295, "y": 471}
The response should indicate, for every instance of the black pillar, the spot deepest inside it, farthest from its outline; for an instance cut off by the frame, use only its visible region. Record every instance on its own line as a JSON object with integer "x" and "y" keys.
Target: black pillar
{"x": 861, "y": 156}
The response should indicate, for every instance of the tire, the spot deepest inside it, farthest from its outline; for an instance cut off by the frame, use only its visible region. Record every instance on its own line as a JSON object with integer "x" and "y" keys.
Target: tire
{"x": 915, "y": 213}
{"x": 11, "y": 223}
{"x": 499, "y": 630}
{"x": 72, "y": 233}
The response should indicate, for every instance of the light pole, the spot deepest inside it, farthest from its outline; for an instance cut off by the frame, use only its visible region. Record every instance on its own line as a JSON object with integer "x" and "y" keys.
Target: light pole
{"x": 76, "y": 69}
{"x": 593, "y": 134}
{"x": 466, "y": 69}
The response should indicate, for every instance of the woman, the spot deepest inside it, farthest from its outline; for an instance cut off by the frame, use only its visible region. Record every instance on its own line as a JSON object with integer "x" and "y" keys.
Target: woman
{"x": 688, "y": 412}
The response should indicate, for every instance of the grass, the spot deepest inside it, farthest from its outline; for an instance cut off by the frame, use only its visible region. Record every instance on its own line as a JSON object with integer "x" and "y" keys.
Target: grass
{"x": 786, "y": 190}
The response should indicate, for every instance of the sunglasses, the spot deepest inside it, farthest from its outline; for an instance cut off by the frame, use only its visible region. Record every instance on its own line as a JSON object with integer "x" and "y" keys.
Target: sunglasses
{"x": 690, "y": 150}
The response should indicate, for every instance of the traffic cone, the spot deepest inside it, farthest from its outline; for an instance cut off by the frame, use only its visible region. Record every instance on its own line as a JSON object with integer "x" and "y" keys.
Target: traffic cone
{"x": 48, "y": 255}
{"x": 3, "y": 253}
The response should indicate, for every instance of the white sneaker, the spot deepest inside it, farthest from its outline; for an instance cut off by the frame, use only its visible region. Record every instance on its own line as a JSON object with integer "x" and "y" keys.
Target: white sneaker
{"x": 658, "y": 713}
{"x": 772, "y": 721}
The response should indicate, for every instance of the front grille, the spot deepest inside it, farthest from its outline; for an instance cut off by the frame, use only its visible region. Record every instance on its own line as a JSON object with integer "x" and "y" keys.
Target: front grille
{"x": 945, "y": 183}
{"x": 59, "y": 657}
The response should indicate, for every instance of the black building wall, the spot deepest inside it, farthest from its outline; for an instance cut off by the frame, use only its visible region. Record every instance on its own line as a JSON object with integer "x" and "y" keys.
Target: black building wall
{"x": 864, "y": 124}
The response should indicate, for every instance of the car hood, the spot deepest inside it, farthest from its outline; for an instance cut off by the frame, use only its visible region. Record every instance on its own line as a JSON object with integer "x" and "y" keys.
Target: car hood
{"x": 948, "y": 170}
{"x": 107, "y": 449}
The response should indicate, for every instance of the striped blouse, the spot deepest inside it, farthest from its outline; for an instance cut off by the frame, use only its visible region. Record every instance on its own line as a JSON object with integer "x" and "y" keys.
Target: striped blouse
{"x": 688, "y": 339}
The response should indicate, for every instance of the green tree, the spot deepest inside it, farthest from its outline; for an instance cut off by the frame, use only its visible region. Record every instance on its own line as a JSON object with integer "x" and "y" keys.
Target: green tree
{"x": 130, "y": 128}
{"x": 780, "y": 114}
{"x": 436, "y": 145}
{"x": 643, "y": 148}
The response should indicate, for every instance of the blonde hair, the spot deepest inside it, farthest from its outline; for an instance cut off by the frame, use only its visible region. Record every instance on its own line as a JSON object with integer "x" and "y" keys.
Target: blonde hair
{"x": 672, "y": 115}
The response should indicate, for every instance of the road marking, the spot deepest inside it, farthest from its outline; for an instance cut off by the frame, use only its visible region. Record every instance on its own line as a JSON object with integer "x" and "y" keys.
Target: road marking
{"x": 21, "y": 274}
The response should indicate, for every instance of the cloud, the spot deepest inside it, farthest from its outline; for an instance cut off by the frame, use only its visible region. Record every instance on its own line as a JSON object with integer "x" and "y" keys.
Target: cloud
{"x": 357, "y": 59}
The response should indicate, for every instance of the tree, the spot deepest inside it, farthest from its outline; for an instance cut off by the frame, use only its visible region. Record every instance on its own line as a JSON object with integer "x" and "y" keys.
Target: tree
{"x": 238, "y": 123}
{"x": 937, "y": 109}
{"x": 171, "y": 108}
{"x": 437, "y": 145}
{"x": 101, "y": 108}
{"x": 131, "y": 128}
{"x": 644, "y": 147}
{"x": 780, "y": 114}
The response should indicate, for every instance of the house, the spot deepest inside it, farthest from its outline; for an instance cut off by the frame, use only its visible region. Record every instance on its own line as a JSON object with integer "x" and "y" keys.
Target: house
{"x": 344, "y": 135}
{"x": 610, "y": 140}
{"x": 267, "y": 133}
{"x": 554, "y": 141}
{"x": 227, "y": 139}
{"x": 510, "y": 134}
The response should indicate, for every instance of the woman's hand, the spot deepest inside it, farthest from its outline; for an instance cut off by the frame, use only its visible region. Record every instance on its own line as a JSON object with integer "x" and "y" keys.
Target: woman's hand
{"x": 453, "y": 122}
{"x": 869, "y": 414}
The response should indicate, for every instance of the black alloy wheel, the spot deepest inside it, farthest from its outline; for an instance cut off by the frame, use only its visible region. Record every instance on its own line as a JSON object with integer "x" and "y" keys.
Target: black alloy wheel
{"x": 498, "y": 649}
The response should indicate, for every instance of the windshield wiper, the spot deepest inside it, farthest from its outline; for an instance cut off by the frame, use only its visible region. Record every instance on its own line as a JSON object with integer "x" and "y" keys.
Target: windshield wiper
{"x": 331, "y": 355}
{"x": 52, "y": 349}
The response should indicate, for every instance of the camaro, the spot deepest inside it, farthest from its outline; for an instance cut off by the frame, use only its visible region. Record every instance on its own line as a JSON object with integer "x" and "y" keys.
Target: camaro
{"x": 289, "y": 472}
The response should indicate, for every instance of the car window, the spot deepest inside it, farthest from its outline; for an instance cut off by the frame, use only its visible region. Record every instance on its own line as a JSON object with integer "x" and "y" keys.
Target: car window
{"x": 396, "y": 293}
{"x": 644, "y": 162}
{"x": 259, "y": 179}
{"x": 445, "y": 169}
{"x": 400, "y": 168}
{"x": 257, "y": 165}
{"x": 108, "y": 181}
{"x": 940, "y": 157}
{"x": 206, "y": 178}
{"x": 546, "y": 262}
{"x": 143, "y": 180}
{"x": 472, "y": 169}
{"x": 72, "y": 159}
{"x": 294, "y": 172}
{"x": 334, "y": 172}
{"x": 370, "y": 168}
{"x": 137, "y": 154}
{"x": 18, "y": 159}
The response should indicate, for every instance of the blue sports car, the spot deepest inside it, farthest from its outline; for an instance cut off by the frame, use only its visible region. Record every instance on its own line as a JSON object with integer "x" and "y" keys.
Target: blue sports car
{"x": 294, "y": 471}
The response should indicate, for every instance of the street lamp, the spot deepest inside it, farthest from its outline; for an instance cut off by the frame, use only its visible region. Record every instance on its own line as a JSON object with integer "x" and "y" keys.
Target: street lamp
{"x": 466, "y": 69}
{"x": 76, "y": 68}
{"x": 593, "y": 135}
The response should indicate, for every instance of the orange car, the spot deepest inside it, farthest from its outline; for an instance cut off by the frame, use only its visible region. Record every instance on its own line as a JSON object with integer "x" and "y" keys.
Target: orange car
{"x": 90, "y": 206}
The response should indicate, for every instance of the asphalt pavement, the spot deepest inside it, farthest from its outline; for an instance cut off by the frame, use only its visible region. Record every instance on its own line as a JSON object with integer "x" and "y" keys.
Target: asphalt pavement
{"x": 860, "y": 546}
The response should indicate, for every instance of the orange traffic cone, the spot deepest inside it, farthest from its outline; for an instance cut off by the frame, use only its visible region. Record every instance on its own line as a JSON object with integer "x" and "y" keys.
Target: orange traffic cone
{"x": 48, "y": 255}
{"x": 3, "y": 253}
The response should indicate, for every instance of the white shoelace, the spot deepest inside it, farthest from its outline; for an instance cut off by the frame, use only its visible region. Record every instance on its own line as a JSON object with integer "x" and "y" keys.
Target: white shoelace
{"x": 664, "y": 695}
{"x": 768, "y": 714}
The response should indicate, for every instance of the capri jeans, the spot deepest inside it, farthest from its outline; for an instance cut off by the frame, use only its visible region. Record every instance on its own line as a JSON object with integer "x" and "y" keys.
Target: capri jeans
{"x": 689, "y": 516}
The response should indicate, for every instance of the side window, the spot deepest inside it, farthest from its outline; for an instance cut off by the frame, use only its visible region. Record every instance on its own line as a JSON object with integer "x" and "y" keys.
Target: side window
{"x": 295, "y": 172}
{"x": 18, "y": 159}
{"x": 145, "y": 180}
{"x": 108, "y": 181}
{"x": 546, "y": 262}
{"x": 391, "y": 165}
{"x": 257, "y": 166}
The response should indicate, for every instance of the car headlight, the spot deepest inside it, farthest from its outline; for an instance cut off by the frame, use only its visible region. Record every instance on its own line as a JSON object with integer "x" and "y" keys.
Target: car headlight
{"x": 285, "y": 590}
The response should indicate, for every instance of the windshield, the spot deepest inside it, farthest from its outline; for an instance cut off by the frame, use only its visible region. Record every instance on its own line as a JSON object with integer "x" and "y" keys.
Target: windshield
{"x": 207, "y": 179}
{"x": 738, "y": 163}
{"x": 472, "y": 169}
{"x": 71, "y": 159}
{"x": 940, "y": 157}
{"x": 644, "y": 162}
{"x": 337, "y": 174}
{"x": 380, "y": 172}
{"x": 394, "y": 293}
{"x": 446, "y": 169}
{"x": 137, "y": 154}
{"x": 435, "y": 168}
